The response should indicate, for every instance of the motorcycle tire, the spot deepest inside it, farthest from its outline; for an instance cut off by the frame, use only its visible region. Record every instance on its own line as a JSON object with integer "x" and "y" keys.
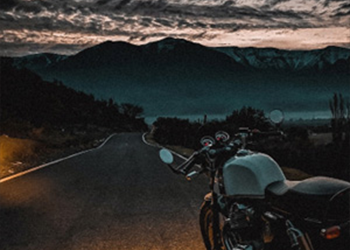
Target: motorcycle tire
{"x": 206, "y": 224}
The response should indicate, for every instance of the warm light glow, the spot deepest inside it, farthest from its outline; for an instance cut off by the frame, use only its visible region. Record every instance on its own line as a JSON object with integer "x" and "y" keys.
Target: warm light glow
{"x": 13, "y": 152}
{"x": 331, "y": 232}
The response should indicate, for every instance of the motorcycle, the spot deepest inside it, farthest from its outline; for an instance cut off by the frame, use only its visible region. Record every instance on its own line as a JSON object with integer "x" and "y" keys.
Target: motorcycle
{"x": 252, "y": 206}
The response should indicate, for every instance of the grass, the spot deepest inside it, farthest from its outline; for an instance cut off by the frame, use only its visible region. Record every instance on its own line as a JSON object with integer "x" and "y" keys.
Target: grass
{"x": 44, "y": 145}
{"x": 16, "y": 154}
{"x": 177, "y": 149}
{"x": 321, "y": 138}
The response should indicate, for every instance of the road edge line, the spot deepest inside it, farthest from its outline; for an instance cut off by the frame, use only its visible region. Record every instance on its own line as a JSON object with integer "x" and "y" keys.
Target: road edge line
{"x": 160, "y": 146}
{"x": 53, "y": 162}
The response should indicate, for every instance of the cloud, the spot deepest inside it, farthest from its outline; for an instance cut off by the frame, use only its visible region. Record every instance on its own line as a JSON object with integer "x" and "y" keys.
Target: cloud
{"x": 141, "y": 21}
{"x": 8, "y": 4}
{"x": 121, "y": 4}
{"x": 102, "y": 2}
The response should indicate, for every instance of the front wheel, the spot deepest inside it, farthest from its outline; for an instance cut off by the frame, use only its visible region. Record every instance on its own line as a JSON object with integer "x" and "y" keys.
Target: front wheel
{"x": 206, "y": 220}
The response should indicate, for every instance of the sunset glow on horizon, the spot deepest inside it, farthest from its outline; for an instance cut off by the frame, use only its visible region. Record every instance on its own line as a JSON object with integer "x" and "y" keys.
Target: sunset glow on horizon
{"x": 66, "y": 27}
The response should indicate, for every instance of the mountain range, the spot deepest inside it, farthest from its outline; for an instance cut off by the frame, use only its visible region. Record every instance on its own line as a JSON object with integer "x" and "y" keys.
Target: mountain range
{"x": 176, "y": 77}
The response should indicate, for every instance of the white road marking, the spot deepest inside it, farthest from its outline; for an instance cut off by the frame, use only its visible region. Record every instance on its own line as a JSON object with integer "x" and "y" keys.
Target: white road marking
{"x": 53, "y": 162}
{"x": 159, "y": 146}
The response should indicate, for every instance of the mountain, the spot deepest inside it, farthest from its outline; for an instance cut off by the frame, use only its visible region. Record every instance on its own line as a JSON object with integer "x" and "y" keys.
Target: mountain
{"x": 168, "y": 54}
{"x": 38, "y": 61}
{"x": 178, "y": 77}
{"x": 119, "y": 53}
{"x": 269, "y": 58}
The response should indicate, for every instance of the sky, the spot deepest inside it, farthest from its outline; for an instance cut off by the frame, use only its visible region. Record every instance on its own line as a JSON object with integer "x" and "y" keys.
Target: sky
{"x": 68, "y": 26}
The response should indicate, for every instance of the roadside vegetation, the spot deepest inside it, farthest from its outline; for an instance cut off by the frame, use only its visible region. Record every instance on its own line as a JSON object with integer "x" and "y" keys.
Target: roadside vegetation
{"x": 41, "y": 121}
{"x": 302, "y": 151}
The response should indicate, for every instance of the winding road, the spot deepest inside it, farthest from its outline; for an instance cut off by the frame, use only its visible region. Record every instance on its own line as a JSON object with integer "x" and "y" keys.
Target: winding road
{"x": 119, "y": 196}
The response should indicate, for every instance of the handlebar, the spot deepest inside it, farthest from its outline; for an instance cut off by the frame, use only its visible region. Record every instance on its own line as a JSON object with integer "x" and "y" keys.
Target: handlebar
{"x": 210, "y": 153}
{"x": 196, "y": 158}
{"x": 186, "y": 166}
{"x": 214, "y": 152}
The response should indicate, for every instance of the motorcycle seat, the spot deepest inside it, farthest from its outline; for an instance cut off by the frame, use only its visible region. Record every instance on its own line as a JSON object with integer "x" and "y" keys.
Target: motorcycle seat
{"x": 310, "y": 196}
{"x": 314, "y": 186}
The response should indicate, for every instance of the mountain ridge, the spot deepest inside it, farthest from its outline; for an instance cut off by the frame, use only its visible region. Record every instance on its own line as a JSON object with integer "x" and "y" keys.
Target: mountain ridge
{"x": 178, "y": 77}
{"x": 248, "y": 57}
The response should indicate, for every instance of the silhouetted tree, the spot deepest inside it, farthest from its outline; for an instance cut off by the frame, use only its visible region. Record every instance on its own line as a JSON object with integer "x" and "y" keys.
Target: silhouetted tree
{"x": 248, "y": 117}
{"x": 130, "y": 110}
{"x": 28, "y": 98}
{"x": 340, "y": 118}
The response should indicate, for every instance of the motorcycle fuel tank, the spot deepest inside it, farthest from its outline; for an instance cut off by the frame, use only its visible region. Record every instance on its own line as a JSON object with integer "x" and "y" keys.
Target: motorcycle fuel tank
{"x": 248, "y": 174}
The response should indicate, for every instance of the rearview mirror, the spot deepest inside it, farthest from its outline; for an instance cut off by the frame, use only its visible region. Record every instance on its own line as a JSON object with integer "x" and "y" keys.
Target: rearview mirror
{"x": 276, "y": 116}
{"x": 166, "y": 156}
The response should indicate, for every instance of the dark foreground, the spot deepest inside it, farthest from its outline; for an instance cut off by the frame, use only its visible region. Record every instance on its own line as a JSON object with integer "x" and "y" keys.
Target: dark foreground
{"x": 117, "y": 197}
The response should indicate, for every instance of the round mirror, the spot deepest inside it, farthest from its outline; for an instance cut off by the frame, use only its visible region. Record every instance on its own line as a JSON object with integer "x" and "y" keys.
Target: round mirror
{"x": 276, "y": 116}
{"x": 166, "y": 156}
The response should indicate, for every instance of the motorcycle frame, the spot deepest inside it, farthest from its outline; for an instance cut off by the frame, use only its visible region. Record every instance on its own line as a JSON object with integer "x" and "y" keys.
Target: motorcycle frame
{"x": 298, "y": 239}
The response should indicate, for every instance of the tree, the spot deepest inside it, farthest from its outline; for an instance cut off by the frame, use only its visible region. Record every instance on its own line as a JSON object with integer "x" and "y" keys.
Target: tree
{"x": 248, "y": 117}
{"x": 130, "y": 110}
{"x": 340, "y": 118}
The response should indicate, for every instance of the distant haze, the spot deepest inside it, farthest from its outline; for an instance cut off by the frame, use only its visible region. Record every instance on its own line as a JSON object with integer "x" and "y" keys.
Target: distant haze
{"x": 178, "y": 78}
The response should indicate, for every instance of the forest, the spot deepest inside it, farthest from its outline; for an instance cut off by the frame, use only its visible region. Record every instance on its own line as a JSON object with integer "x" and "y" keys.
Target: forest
{"x": 295, "y": 149}
{"x": 41, "y": 120}
{"x": 26, "y": 97}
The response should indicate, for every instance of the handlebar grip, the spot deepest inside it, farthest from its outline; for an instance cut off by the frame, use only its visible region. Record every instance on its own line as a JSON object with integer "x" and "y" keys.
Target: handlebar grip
{"x": 192, "y": 175}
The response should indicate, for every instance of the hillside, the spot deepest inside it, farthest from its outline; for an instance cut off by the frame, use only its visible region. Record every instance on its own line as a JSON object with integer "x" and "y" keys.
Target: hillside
{"x": 41, "y": 121}
{"x": 27, "y": 97}
{"x": 176, "y": 77}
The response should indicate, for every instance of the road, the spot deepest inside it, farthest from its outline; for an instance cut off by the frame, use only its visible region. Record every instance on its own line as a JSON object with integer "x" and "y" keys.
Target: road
{"x": 119, "y": 196}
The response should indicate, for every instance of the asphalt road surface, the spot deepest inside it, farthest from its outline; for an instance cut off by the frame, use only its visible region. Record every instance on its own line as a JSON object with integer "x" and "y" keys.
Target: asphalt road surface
{"x": 119, "y": 196}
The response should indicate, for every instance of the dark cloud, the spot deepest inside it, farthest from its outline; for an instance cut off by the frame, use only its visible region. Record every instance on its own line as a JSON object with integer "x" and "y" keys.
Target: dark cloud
{"x": 342, "y": 13}
{"x": 272, "y": 3}
{"x": 121, "y": 4}
{"x": 34, "y": 6}
{"x": 138, "y": 19}
{"x": 29, "y": 8}
{"x": 102, "y": 2}
{"x": 148, "y": 6}
{"x": 8, "y": 4}
{"x": 175, "y": 14}
{"x": 228, "y": 3}
{"x": 343, "y": 10}
{"x": 327, "y": 2}
{"x": 200, "y": 25}
{"x": 227, "y": 10}
{"x": 183, "y": 24}
{"x": 165, "y": 22}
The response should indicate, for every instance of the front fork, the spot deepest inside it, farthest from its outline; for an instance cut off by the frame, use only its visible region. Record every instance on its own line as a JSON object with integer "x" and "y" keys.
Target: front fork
{"x": 216, "y": 222}
{"x": 212, "y": 203}
{"x": 215, "y": 209}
